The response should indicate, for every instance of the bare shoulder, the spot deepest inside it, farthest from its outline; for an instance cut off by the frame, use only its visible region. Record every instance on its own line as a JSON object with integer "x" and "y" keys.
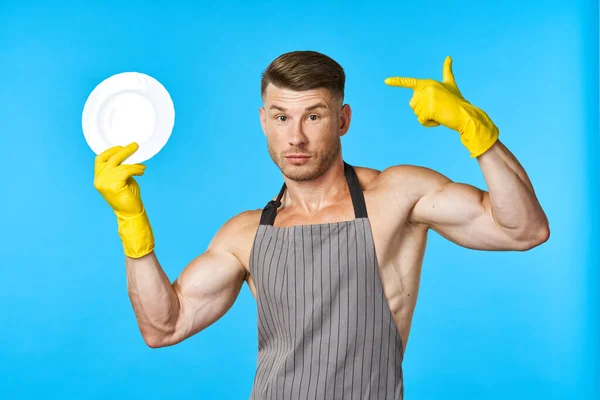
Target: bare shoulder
{"x": 412, "y": 180}
{"x": 392, "y": 194}
{"x": 237, "y": 227}
{"x": 237, "y": 234}
{"x": 243, "y": 221}
{"x": 366, "y": 176}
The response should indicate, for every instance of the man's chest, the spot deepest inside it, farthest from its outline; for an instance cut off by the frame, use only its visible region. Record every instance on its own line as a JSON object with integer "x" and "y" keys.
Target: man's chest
{"x": 329, "y": 233}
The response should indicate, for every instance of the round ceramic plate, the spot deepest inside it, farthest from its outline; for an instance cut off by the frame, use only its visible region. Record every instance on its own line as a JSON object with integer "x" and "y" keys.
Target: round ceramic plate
{"x": 129, "y": 107}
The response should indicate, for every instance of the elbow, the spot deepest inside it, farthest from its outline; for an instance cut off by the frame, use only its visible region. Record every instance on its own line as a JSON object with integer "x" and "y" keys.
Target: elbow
{"x": 154, "y": 345}
{"x": 544, "y": 234}
{"x": 153, "y": 342}
{"x": 158, "y": 334}
{"x": 157, "y": 339}
{"x": 534, "y": 237}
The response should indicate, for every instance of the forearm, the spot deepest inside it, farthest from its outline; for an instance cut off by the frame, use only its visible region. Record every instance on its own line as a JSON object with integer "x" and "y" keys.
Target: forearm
{"x": 153, "y": 298}
{"x": 513, "y": 202}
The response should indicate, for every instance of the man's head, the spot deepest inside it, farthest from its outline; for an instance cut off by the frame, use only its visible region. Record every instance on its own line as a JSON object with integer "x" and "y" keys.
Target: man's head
{"x": 303, "y": 115}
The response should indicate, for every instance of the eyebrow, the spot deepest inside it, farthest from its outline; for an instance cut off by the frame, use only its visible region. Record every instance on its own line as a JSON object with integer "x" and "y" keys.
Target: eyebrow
{"x": 311, "y": 108}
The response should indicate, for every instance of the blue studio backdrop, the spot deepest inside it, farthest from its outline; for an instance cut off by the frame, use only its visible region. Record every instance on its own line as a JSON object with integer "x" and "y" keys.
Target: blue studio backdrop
{"x": 488, "y": 325}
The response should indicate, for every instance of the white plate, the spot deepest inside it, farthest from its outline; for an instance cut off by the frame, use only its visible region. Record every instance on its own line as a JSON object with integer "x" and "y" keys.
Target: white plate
{"x": 129, "y": 107}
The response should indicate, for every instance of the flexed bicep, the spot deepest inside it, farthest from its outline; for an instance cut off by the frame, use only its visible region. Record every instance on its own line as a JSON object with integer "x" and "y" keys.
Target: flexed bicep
{"x": 209, "y": 285}
{"x": 207, "y": 288}
{"x": 462, "y": 214}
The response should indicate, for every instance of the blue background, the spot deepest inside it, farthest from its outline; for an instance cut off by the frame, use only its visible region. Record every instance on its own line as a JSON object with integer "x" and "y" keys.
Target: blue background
{"x": 487, "y": 325}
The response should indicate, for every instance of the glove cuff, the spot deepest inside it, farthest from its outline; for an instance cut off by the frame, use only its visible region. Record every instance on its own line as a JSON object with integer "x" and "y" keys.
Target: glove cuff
{"x": 136, "y": 234}
{"x": 479, "y": 132}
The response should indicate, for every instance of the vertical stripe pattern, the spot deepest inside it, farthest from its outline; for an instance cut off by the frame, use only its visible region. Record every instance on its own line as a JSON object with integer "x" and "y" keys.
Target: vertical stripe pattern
{"x": 325, "y": 330}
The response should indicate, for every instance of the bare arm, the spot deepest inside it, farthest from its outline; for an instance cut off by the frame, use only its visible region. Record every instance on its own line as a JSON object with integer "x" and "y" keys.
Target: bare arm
{"x": 205, "y": 290}
{"x": 508, "y": 217}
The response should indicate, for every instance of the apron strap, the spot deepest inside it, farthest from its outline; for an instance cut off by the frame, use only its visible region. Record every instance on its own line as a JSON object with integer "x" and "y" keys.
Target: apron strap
{"x": 270, "y": 211}
{"x": 358, "y": 200}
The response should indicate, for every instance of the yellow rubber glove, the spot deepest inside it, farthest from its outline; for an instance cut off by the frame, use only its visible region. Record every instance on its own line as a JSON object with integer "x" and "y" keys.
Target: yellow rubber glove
{"x": 115, "y": 183}
{"x": 437, "y": 103}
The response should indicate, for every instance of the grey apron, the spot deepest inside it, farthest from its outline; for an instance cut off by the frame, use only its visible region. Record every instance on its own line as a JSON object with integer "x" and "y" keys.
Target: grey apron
{"x": 325, "y": 330}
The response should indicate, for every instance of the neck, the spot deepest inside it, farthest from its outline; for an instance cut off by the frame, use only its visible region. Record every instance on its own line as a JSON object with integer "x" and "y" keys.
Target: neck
{"x": 312, "y": 196}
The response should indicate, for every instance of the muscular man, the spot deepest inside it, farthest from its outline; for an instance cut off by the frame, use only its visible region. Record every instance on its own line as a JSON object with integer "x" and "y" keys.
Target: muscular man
{"x": 333, "y": 260}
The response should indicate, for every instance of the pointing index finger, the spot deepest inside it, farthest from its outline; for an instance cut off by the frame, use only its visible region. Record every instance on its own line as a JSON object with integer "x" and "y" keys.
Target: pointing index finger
{"x": 409, "y": 83}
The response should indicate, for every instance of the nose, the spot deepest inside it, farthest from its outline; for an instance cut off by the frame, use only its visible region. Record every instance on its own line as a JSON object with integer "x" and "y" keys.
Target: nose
{"x": 297, "y": 137}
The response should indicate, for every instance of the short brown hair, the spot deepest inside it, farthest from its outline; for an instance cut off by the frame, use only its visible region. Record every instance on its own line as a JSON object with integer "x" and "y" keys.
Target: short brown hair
{"x": 305, "y": 70}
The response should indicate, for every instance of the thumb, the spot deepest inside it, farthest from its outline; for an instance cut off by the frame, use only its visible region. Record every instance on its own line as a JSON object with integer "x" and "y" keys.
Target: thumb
{"x": 127, "y": 171}
{"x": 447, "y": 74}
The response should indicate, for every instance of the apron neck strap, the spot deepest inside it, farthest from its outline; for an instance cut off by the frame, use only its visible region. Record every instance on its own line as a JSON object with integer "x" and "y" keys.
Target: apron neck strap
{"x": 358, "y": 200}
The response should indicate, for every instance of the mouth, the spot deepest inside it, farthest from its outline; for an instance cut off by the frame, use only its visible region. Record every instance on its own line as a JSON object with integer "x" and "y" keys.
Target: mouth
{"x": 297, "y": 158}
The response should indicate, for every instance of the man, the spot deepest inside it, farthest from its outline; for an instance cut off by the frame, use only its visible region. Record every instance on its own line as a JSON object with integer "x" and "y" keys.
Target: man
{"x": 334, "y": 261}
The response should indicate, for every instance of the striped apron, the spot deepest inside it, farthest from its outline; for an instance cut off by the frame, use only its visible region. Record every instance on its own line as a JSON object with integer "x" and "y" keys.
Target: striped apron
{"x": 325, "y": 330}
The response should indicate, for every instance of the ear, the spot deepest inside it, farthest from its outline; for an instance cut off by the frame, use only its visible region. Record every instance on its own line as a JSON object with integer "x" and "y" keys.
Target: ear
{"x": 263, "y": 119}
{"x": 345, "y": 118}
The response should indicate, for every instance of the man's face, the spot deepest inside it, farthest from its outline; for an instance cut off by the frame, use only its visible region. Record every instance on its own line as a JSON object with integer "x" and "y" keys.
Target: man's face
{"x": 303, "y": 130}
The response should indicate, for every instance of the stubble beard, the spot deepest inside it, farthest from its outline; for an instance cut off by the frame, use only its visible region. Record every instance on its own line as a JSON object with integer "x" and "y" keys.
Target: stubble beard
{"x": 314, "y": 168}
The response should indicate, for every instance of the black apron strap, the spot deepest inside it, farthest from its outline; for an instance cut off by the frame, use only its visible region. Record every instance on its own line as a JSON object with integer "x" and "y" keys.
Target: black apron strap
{"x": 270, "y": 211}
{"x": 358, "y": 199}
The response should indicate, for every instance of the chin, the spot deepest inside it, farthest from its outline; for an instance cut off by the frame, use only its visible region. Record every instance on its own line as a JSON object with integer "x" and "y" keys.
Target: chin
{"x": 301, "y": 173}
{"x": 317, "y": 166}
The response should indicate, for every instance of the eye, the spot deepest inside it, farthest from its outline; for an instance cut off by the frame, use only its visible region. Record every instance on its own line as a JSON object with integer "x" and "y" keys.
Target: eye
{"x": 282, "y": 118}
{"x": 313, "y": 117}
